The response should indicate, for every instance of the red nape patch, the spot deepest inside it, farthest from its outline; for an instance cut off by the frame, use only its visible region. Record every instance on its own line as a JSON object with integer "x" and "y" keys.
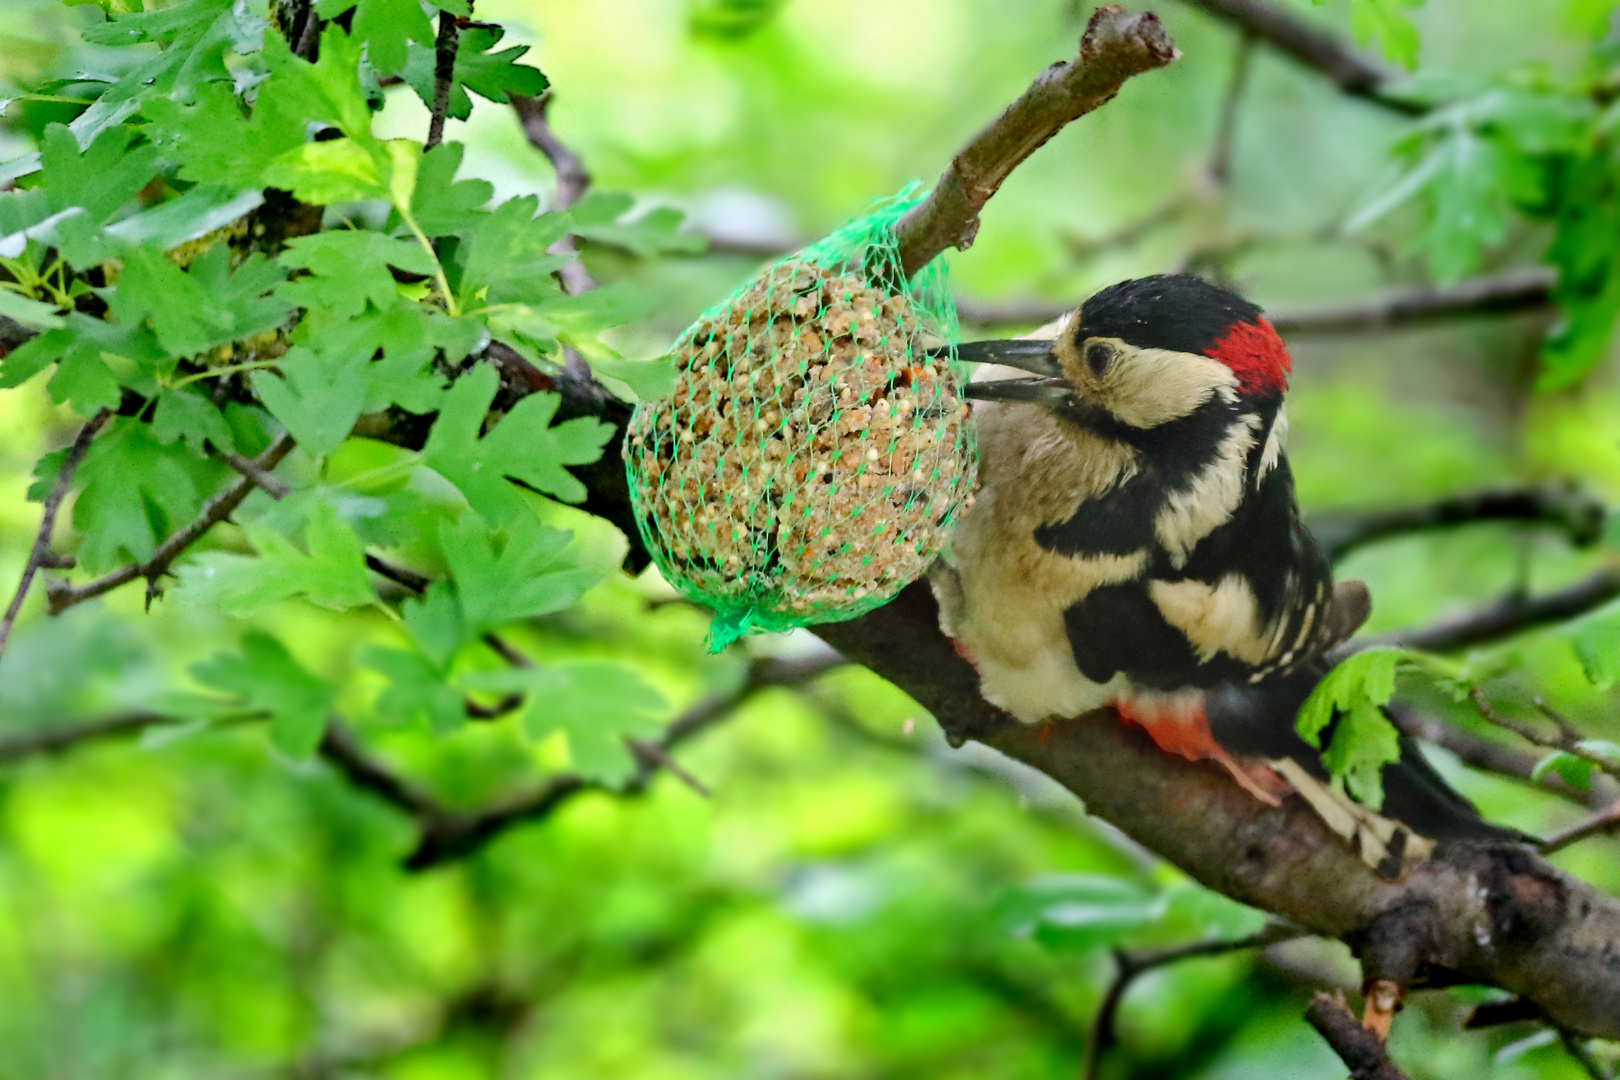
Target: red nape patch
{"x": 1256, "y": 355}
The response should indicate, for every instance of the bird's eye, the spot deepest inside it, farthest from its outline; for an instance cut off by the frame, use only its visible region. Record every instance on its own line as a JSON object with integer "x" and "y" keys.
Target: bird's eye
{"x": 1098, "y": 356}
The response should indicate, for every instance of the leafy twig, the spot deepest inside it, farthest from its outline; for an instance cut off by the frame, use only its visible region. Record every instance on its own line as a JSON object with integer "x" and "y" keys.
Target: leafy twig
{"x": 1493, "y": 757}
{"x": 455, "y": 837}
{"x": 444, "y": 73}
{"x": 39, "y": 554}
{"x": 1578, "y": 514}
{"x": 1360, "y": 1049}
{"x": 1129, "y": 966}
{"x": 1115, "y": 47}
{"x": 1567, "y": 740}
{"x": 572, "y": 182}
{"x": 62, "y": 596}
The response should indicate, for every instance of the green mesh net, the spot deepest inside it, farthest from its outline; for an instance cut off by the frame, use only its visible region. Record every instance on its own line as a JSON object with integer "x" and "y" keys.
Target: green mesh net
{"x": 814, "y": 454}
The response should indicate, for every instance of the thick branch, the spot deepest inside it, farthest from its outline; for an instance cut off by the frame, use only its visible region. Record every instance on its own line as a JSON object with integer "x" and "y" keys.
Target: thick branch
{"x": 1115, "y": 47}
{"x": 1502, "y": 915}
{"x": 40, "y": 554}
{"x": 1576, "y": 513}
{"x": 62, "y": 596}
{"x": 1316, "y": 49}
{"x": 1360, "y": 1049}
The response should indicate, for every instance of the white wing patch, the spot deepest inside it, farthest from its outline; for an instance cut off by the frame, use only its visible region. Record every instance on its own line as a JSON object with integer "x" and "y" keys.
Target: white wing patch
{"x": 1189, "y": 516}
{"x": 1224, "y": 617}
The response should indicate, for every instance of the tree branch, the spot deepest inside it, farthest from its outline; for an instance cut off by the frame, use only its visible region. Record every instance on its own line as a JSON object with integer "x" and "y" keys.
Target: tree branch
{"x": 444, "y": 75}
{"x": 1567, "y": 741}
{"x": 1360, "y": 1049}
{"x": 1576, "y": 513}
{"x": 457, "y": 836}
{"x": 1513, "y": 614}
{"x": 1602, "y": 823}
{"x": 62, "y": 595}
{"x": 1129, "y": 966}
{"x": 1511, "y": 292}
{"x": 340, "y": 748}
{"x": 40, "y": 554}
{"x": 1316, "y": 49}
{"x": 1114, "y": 47}
{"x": 1501, "y": 915}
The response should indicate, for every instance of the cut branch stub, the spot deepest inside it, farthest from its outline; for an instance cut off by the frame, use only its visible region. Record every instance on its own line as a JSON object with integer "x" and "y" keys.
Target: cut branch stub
{"x": 1116, "y": 45}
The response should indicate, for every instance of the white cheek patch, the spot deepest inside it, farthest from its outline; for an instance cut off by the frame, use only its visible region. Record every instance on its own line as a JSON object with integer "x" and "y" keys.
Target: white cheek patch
{"x": 1149, "y": 387}
{"x": 1189, "y": 516}
{"x": 1224, "y": 617}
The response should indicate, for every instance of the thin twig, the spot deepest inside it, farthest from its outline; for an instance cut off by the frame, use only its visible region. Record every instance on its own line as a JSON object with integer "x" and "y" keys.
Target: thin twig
{"x": 1485, "y": 755}
{"x": 1567, "y": 741}
{"x": 1577, "y": 513}
{"x": 271, "y": 486}
{"x": 410, "y": 579}
{"x": 340, "y": 747}
{"x": 59, "y": 740}
{"x": 1130, "y": 966}
{"x": 62, "y": 595}
{"x": 1511, "y": 615}
{"x": 40, "y": 554}
{"x": 1512, "y": 292}
{"x": 1220, "y": 158}
{"x": 1602, "y": 823}
{"x": 1361, "y": 1050}
{"x": 1315, "y": 49}
{"x": 1115, "y": 47}
{"x": 444, "y": 74}
{"x": 1522, "y": 289}
{"x": 455, "y": 837}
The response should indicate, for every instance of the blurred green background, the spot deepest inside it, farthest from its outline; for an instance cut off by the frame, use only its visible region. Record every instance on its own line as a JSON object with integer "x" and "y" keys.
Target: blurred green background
{"x": 853, "y": 900}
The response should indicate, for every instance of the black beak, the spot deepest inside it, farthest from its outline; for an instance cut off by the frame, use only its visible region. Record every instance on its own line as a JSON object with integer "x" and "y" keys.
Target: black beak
{"x": 1049, "y": 392}
{"x": 1035, "y": 357}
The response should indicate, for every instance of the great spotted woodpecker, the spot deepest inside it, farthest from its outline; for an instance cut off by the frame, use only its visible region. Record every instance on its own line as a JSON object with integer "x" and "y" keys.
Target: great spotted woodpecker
{"x": 1136, "y": 543}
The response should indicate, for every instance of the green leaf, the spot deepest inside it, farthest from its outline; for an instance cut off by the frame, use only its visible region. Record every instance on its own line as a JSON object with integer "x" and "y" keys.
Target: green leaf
{"x": 1574, "y": 771}
{"x": 493, "y": 75}
{"x": 441, "y": 204}
{"x": 100, "y": 179}
{"x": 598, "y": 217}
{"x": 434, "y": 622}
{"x": 136, "y": 491}
{"x": 328, "y": 570}
{"x": 78, "y": 347}
{"x": 515, "y": 573}
{"x": 348, "y": 269}
{"x": 265, "y": 676}
{"x": 1351, "y": 698}
{"x": 338, "y": 170}
{"x": 188, "y": 415}
{"x": 194, "y": 214}
{"x": 191, "y": 312}
{"x": 31, "y": 313}
{"x": 524, "y": 446}
{"x": 1596, "y": 640}
{"x": 649, "y": 380}
{"x": 386, "y": 26}
{"x": 417, "y": 691}
{"x": 597, "y": 704}
{"x": 317, "y": 396}
{"x": 1078, "y": 912}
{"x": 1386, "y": 21}
{"x": 507, "y": 258}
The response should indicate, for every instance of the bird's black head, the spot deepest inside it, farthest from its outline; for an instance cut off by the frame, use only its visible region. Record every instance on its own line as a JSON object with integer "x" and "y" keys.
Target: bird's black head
{"x": 1146, "y": 352}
